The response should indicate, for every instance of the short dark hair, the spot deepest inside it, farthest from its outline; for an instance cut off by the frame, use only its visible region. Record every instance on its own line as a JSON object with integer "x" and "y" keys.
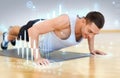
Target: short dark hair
{"x": 96, "y": 17}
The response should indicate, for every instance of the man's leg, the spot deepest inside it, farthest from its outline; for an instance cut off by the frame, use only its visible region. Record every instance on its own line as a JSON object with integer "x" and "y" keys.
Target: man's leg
{"x": 10, "y": 36}
{"x": 13, "y": 33}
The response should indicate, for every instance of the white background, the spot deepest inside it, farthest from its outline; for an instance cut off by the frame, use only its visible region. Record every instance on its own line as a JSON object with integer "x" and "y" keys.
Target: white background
{"x": 19, "y": 12}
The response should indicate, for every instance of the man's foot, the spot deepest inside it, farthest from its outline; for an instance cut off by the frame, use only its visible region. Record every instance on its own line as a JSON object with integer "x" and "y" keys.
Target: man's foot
{"x": 13, "y": 42}
{"x": 4, "y": 44}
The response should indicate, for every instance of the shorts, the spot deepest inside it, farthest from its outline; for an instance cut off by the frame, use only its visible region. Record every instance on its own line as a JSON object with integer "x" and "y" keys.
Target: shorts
{"x": 25, "y": 29}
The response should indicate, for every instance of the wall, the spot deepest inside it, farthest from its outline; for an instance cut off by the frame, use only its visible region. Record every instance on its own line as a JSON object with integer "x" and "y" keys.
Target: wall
{"x": 18, "y": 12}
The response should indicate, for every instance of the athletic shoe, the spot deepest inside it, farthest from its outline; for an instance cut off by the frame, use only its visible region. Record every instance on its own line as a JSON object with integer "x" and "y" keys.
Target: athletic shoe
{"x": 4, "y": 44}
{"x": 13, "y": 42}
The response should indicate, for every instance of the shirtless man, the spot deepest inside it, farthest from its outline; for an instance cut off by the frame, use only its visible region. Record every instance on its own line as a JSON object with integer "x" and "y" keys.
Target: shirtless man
{"x": 64, "y": 31}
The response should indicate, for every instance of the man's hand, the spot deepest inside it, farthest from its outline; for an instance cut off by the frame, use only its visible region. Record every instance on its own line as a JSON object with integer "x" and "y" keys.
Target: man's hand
{"x": 42, "y": 61}
{"x": 94, "y": 52}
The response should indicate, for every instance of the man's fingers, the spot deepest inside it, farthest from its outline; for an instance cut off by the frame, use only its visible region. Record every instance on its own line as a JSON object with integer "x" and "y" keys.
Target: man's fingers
{"x": 43, "y": 62}
{"x": 100, "y": 52}
{"x": 97, "y": 52}
{"x": 47, "y": 62}
{"x": 104, "y": 53}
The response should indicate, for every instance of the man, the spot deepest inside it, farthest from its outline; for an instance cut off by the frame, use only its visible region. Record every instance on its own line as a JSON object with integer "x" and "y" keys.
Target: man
{"x": 60, "y": 32}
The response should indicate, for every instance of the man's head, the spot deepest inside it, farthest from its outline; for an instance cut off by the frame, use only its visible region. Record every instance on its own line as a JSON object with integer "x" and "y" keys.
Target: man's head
{"x": 94, "y": 21}
{"x": 96, "y": 17}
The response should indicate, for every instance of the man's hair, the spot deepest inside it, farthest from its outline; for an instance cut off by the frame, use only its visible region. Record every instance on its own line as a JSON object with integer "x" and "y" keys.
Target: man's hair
{"x": 96, "y": 17}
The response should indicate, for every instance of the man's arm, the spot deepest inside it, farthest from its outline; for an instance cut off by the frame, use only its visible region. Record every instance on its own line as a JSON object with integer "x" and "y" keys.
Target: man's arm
{"x": 91, "y": 47}
{"x": 34, "y": 39}
{"x": 45, "y": 27}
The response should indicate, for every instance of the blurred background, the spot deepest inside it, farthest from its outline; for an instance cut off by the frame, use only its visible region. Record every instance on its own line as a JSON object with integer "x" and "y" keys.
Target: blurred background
{"x": 19, "y": 12}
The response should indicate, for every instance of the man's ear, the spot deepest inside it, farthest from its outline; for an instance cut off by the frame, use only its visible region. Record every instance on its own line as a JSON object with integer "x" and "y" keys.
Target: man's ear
{"x": 83, "y": 21}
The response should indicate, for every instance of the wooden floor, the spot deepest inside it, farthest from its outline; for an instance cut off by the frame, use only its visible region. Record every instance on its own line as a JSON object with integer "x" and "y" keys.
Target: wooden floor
{"x": 107, "y": 66}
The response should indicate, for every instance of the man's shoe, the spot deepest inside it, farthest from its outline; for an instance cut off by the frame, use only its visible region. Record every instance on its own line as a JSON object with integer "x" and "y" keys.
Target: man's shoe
{"x": 13, "y": 42}
{"x": 4, "y": 44}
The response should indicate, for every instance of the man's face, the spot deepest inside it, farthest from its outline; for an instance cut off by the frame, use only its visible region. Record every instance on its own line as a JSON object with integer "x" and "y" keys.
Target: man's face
{"x": 90, "y": 30}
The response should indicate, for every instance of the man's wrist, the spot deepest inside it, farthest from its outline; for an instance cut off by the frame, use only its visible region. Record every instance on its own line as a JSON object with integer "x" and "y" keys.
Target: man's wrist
{"x": 91, "y": 50}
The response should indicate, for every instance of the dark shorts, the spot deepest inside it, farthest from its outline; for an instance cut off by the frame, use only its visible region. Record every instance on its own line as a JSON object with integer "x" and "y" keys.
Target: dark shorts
{"x": 25, "y": 29}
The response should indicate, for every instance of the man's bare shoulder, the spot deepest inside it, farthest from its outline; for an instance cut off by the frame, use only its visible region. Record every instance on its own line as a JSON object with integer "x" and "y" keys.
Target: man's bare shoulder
{"x": 63, "y": 17}
{"x": 61, "y": 21}
{"x": 57, "y": 23}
